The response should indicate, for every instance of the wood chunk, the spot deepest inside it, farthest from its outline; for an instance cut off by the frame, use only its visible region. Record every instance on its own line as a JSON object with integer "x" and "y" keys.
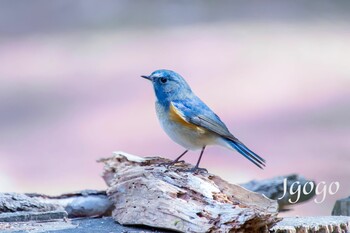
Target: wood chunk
{"x": 12, "y": 202}
{"x": 321, "y": 224}
{"x": 85, "y": 203}
{"x": 146, "y": 193}
{"x": 26, "y": 216}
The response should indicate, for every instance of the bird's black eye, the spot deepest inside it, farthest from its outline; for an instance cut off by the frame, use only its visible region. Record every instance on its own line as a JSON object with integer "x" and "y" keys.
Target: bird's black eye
{"x": 163, "y": 80}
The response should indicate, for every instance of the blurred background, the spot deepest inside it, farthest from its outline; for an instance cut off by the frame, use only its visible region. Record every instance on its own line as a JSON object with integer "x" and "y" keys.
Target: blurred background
{"x": 277, "y": 72}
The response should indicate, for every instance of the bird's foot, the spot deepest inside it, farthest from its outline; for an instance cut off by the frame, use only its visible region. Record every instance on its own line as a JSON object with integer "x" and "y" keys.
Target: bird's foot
{"x": 195, "y": 170}
{"x": 167, "y": 165}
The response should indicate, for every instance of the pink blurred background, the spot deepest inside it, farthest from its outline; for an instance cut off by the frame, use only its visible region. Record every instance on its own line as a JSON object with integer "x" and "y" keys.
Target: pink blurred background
{"x": 277, "y": 73}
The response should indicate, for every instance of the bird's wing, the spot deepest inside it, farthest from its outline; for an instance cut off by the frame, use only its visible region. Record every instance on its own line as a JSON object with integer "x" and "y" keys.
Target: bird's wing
{"x": 199, "y": 114}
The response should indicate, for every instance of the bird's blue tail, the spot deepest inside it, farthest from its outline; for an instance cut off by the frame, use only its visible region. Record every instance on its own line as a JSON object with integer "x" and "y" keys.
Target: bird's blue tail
{"x": 246, "y": 152}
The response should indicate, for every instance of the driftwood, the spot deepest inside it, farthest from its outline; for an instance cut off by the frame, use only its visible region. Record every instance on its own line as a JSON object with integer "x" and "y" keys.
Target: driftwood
{"x": 93, "y": 203}
{"x": 167, "y": 198}
{"x": 332, "y": 224}
{"x": 86, "y": 203}
{"x": 14, "y": 202}
{"x": 145, "y": 193}
{"x": 342, "y": 207}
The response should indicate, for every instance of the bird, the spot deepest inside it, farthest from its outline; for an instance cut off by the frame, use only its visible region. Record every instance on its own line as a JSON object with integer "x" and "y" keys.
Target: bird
{"x": 189, "y": 122}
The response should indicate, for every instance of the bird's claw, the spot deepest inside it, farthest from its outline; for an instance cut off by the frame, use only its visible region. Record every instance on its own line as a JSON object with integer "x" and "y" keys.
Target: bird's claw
{"x": 167, "y": 165}
{"x": 195, "y": 170}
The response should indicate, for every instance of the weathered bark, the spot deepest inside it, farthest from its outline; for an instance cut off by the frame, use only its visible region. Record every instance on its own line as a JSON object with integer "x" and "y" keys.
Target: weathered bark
{"x": 320, "y": 224}
{"x": 13, "y": 202}
{"x": 86, "y": 203}
{"x": 334, "y": 224}
{"x": 148, "y": 194}
{"x": 342, "y": 207}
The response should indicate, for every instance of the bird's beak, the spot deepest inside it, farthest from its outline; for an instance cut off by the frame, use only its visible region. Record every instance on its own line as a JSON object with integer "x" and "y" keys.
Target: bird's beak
{"x": 146, "y": 77}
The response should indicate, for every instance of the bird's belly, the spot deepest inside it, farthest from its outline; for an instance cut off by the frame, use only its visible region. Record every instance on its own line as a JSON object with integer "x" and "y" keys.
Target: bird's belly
{"x": 187, "y": 135}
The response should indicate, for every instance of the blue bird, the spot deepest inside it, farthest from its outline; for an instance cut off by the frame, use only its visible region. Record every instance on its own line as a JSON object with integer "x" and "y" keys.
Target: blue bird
{"x": 189, "y": 121}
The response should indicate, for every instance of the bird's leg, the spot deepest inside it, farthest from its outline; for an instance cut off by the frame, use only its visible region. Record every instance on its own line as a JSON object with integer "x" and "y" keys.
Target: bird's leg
{"x": 175, "y": 161}
{"x": 178, "y": 158}
{"x": 197, "y": 168}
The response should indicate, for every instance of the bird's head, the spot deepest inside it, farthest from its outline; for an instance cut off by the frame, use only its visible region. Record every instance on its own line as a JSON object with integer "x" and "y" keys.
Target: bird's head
{"x": 168, "y": 85}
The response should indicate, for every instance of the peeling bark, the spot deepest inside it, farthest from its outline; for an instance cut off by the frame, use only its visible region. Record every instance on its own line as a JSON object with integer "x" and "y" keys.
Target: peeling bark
{"x": 144, "y": 193}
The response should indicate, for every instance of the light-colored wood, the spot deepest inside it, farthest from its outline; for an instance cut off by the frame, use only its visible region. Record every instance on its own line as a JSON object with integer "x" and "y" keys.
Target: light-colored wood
{"x": 320, "y": 224}
{"x": 148, "y": 194}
